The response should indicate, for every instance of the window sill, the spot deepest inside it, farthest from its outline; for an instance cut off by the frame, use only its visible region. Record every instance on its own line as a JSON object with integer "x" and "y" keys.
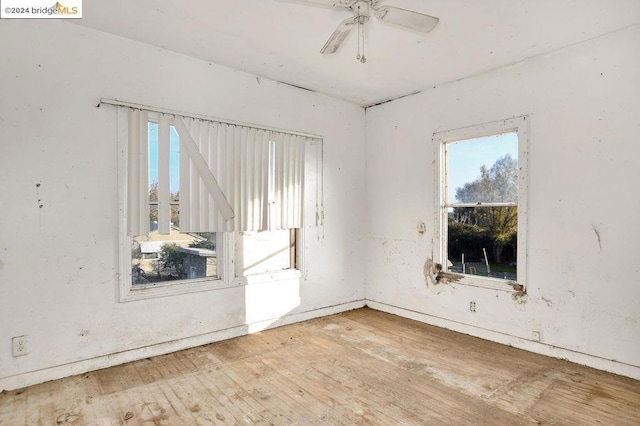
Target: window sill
{"x": 479, "y": 281}
{"x": 150, "y": 291}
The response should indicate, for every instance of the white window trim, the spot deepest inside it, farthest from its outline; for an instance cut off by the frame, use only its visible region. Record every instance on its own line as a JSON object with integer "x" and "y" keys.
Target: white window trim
{"x": 515, "y": 124}
{"x": 226, "y": 268}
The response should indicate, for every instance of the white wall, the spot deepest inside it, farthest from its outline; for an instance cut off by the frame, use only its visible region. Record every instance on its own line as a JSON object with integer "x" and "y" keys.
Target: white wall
{"x": 584, "y": 108}
{"x": 58, "y": 262}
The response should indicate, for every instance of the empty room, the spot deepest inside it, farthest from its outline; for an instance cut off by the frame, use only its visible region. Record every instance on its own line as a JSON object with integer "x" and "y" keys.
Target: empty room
{"x": 319, "y": 212}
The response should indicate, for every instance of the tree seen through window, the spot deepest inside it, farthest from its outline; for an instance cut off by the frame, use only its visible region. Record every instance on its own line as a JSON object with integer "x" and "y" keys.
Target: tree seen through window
{"x": 483, "y": 212}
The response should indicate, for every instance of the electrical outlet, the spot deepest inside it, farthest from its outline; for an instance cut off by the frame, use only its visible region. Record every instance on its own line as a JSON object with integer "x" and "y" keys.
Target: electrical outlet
{"x": 535, "y": 335}
{"x": 472, "y": 306}
{"x": 20, "y": 345}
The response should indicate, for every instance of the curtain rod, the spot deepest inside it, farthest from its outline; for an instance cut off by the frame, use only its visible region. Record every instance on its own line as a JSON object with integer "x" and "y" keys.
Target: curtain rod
{"x": 119, "y": 103}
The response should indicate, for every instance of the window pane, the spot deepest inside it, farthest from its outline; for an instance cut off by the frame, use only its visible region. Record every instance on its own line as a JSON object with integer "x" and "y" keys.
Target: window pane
{"x": 174, "y": 163}
{"x": 483, "y": 241}
{"x": 177, "y": 256}
{"x": 264, "y": 251}
{"x": 158, "y": 258}
{"x": 483, "y": 170}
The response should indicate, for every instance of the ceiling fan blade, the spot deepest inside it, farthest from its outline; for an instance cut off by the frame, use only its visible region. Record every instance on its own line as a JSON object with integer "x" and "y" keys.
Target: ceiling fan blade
{"x": 320, "y": 3}
{"x": 338, "y": 37}
{"x": 407, "y": 18}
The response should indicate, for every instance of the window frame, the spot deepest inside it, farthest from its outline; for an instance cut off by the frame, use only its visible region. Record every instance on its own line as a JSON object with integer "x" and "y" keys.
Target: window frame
{"x": 128, "y": 292}
{"x": 518, "y": 125}
{"x": 225, "y": 250}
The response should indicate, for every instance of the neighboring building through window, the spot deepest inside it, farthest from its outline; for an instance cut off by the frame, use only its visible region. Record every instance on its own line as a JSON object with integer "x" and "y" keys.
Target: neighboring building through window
{"x": 482, "y": 202}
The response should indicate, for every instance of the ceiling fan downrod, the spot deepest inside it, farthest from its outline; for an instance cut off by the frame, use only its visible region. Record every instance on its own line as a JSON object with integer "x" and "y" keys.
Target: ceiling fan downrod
{"x": 361, "y": 20}
{"x": 362, "y": 16}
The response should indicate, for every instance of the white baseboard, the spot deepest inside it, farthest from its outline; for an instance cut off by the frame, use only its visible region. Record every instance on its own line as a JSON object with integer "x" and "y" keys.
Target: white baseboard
{"x": 52, "y": 373}
{"x": 517, "y": 342}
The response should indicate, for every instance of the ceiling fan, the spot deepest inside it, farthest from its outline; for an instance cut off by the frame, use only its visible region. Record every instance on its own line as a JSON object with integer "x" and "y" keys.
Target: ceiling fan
{"x": 362, "y": 11}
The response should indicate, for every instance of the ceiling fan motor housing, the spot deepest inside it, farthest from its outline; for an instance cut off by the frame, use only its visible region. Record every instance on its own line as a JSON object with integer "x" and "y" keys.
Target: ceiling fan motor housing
{"x": 361, "y": 10}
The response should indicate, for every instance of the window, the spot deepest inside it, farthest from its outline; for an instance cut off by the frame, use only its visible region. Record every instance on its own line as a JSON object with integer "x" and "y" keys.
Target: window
{"x": 162, "y": 254}
{"x": 482, "y": 205}
{"x": 205, "y": 202}
{"x": 265, "y": 251}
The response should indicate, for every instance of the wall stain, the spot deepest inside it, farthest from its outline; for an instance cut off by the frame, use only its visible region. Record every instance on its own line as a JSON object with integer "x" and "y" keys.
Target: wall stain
{"x": 597, "y": 232}
{"x": 74, "y": 276}
{"x": 38, "y": 185}
{"x": 520, "y": 297}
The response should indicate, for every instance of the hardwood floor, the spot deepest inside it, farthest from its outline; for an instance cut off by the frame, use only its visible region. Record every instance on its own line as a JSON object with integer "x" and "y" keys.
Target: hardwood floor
{"x": 360, "y": 367}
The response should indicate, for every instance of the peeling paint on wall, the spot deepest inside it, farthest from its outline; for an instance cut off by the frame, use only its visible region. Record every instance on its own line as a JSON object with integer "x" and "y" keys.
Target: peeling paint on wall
{"x": 434, "y": 274}
{"x": 448, "y": 277}
{"x": 429, "y": 273}
{"x": 516, "y": 286}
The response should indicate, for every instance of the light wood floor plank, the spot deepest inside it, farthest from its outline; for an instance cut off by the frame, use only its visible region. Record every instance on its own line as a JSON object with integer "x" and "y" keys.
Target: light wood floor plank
{"x": 360, "y": 367}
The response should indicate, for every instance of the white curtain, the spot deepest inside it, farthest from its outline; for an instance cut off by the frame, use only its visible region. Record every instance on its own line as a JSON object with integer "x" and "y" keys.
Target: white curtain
{"x": 238, "y": 159}
{"x": 138, "y": 173}
{"x": 286, "y": 181}
{"x": 232, "y": 177}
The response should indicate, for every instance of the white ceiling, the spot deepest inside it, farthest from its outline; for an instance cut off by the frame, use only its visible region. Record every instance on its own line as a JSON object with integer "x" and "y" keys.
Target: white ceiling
{"x": 281, "y": 41}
